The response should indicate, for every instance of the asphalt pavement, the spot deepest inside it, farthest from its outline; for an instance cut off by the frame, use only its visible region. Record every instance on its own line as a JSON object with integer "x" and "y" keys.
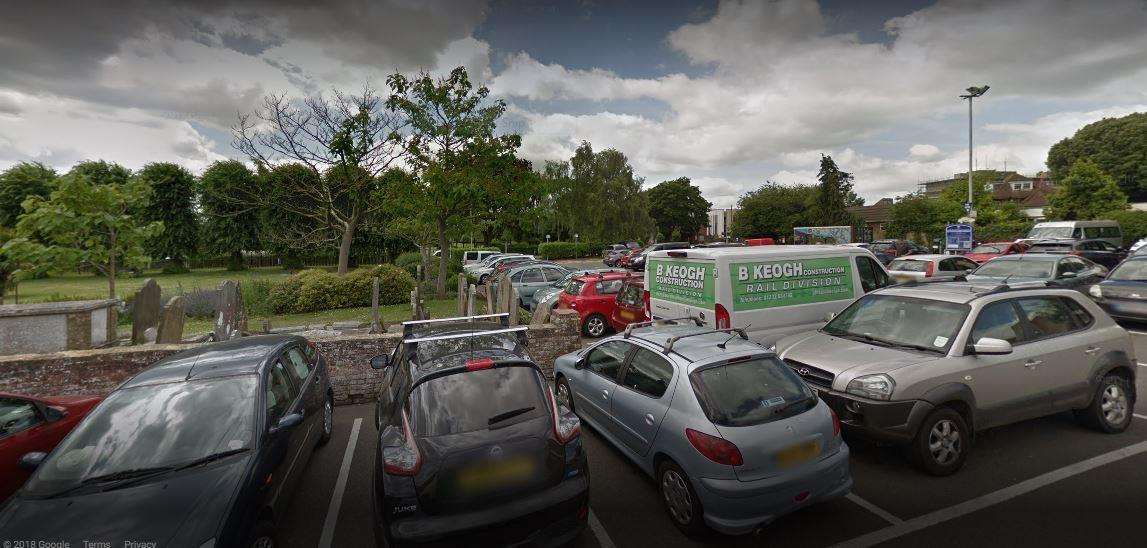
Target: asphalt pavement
{"x": 1045, "y": 482}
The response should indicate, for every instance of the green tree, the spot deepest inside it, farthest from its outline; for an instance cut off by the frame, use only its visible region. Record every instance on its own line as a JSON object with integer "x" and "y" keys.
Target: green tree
{"x": 83, "y": 224}
{"x": 596, "y": 196}
{"x": 834, "y": 195}
{"x": 19, "y": 182}
{"x": 100, "y": 172}
{"x": 1117, "y": 145}
{"x": 773, "y": 210}
{"x": 172, "y": 196}
{"x": 1085, "y": 193}
{"x": 677, "y": 206}
{"x": 228, "y": 227}
{"x": 921, "y": 217}
{"x": 452, "y": 147}
{"x": 285, "y": 234}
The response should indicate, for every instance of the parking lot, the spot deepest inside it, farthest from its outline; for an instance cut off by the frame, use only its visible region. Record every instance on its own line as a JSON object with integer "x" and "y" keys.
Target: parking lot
{"x": 1044, "y": 482}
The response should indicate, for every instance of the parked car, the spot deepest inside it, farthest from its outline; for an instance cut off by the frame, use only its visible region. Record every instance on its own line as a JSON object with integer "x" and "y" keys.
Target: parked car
{"x": 988, "y": 251}
{"x": 613, "y": 253}
{"x": 471, "y": 268}
{"x": 484, "y": 272}
{"x": 897, "y": 248}
{"x": 637, "y": 262}
{"x": 529, "y": 277}
{"x": 928, "y": 365}
{"x": 720, "y": 244}
{"x": 554, "y": 289}
{"x": 1067, "y": 271}
{"x": 625, "y": 258}
{"x": 473, "y": 448}
{"x": 1135, "y": 247}
{"x": 771, "y": 291}
{"x": 732, "y": 437}
{"x": 34, "y": 425}
{"x": 1123, "y": 294}
{"x": 593, "y": 296}
{"x": 920, "y": 267}
{"x": 1098, "y": 251}
{"x": 1077, "y": 230}
{"x": 476, "y": 256}
{"x": 204, "y": 448}
{"x": 632, "y": 304}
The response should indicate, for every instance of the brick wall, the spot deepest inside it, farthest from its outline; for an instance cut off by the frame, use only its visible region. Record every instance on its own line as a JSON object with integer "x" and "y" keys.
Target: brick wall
{"x": 348, "y": 356}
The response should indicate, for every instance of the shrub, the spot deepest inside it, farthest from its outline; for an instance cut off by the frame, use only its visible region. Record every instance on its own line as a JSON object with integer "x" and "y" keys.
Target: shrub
{"x": 257, "y": 296}
{"x": 283, "y": 295}
{"x": 515, "y": 247}
{"x": 199, "y": 303}
{"x": 316, "y": 290}
{"x": 568, "y": 250}
{"x": 1133, "y": 223}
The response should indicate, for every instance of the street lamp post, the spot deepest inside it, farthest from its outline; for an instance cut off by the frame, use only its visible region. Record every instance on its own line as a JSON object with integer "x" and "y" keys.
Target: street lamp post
{"x": 973, "y": 92}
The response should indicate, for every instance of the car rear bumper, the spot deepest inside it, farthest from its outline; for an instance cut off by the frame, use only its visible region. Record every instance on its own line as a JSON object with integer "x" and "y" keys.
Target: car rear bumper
{"x": 1126, "y": 309}
{"x": 894, "y": 421}
{"x": 736, "y": 507}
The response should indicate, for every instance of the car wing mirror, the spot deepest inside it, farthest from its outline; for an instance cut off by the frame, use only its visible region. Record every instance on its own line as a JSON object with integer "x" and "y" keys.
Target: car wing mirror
{"x": 382, "y": 361}
{"x": 53, "y": 414}
{"x": 989, "y": 346}
{"x": 32, "y": 461}
{"x": 579, "y": 364}
{"x": 287, "y": 422}
{"x": 829, "y": 317}
{"x": 1067, "y": 275}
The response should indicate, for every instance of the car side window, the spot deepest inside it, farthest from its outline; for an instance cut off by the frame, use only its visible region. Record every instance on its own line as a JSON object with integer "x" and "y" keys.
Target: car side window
{"x": 1091, "y": 232}
{"x": 280, "y": 391}
{"x": 1071, "y": 265}
{"x": 872, "y": 277}
{"x": 1079, "y": 315}
{"x": 964, "y": 264}
{"x": 554, "y": 274}
{"x": 648, "y": 373}
{"x": 998, "y": 321}
{"x": 299, "y": 365}
{"x": 606, "y": 359}
{"x": 533, "y": 275}
{"x": 1047, "y": 316}
{"x": 17, "y": 415}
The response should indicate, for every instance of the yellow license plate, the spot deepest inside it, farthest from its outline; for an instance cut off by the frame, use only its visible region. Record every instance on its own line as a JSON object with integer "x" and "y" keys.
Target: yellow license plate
{"x": 626, "y": 315}
{"x": 492, "y": 474}
{"x": 802, "y": 452}
{"x": 903, "y": 279}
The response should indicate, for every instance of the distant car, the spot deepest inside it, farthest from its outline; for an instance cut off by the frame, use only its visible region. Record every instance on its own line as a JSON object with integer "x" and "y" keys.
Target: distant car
{"x": 483, "y": 273}
{"x": 920, "y": 267}
{"x": 204, "y": 448}
{"x": 476, "y": 256}
{"x": 1062, "y": 270}
{"x": 1098, "y": 251}
{"x": 613, "y": 253}
{"x": 632, "y": 306}
{"x": 1077, "y": 230}
{"x": 637, "y": 262}
{"x": 988, "y": 251}
{"x": 732, "y": 437}
{"x": 34, "y": 425}
{"x": 473, "y": 449}
{"x": 529, "y": 277}
{"x": 551, "y": 291}
{"x": 593, "y": 296}
{"x": 897, "y": 248}
{"x": 1135, "y": 247}
{"x": 625, "y": 258}
{"x": 471, "y": 268}
{"x": 1123, "y": 294}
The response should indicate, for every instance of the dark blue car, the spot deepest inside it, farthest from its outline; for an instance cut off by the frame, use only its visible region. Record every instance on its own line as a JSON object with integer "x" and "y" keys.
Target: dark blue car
{"x": 1124, "y": 293}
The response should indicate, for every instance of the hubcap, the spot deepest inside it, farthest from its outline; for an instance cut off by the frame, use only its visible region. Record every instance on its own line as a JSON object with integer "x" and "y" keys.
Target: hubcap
{"x": 944, "y": 442}
{"x": 563, "y": 395}
{"x": 1114, "y": 405}
{"x": 677, "y": 498}
{"x": 264, "y": 542}
{"x": 328, "y": 417}
{"x": 596, "y": 326}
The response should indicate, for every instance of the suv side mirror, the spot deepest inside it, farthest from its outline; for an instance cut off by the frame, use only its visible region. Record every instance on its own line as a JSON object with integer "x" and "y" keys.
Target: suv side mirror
{"x": 1067, "y": 275}
{"x": 32, "y": 461}
{"x": 382, "y": 361}
{"x": 286, "y": 423}
{"x": 989, "y": 346}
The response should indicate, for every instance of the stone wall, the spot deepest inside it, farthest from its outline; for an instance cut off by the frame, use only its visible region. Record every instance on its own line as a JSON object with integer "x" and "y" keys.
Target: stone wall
{"x": 348, "y": 357}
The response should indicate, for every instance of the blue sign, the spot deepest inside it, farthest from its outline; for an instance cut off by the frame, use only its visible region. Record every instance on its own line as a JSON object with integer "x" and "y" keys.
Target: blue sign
{"x": 958, "y": 237}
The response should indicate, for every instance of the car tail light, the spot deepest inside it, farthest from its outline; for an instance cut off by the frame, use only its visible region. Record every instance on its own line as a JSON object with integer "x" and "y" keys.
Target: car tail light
{"x": 930, "y": 270}
{"x": 718, "y": 450}
{"x": 567, "y": 427}
{"x": 645, "y": 298}
{"x": 835, "y": 423}
{"x": 1075, "y": 252}
{"x": 723, "y": 321}
{"x": 404, "y": 460}
{"x": 478, "y": 365}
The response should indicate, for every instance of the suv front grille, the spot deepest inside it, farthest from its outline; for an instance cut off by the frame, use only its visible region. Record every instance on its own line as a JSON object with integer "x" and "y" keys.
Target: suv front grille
{"x": 810, "y": 374}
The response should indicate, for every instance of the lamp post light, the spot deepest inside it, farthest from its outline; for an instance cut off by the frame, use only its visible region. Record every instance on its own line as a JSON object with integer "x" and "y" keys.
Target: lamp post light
{"x": 973, "y": 92}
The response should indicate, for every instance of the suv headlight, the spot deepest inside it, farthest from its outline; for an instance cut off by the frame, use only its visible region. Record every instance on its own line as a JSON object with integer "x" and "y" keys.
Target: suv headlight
{"x": 873, "y": 387}
{"x": 1096, "y": 291}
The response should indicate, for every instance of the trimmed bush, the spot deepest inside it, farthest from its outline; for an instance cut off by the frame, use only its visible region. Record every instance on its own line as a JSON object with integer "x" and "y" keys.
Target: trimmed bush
{"x": 515, "y": 247}
{"x": 316, "y": 290}
{"x": 569, "y": 250}
{"x": 1133, "y": 223}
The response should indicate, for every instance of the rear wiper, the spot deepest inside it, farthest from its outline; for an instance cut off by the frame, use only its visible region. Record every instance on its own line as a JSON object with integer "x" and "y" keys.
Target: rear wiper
{"x": 509, "y": 415}
{"x": 789, "y": 405}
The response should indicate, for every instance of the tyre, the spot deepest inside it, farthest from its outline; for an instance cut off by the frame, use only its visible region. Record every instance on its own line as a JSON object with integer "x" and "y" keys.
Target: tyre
{"x": 595, "y": 326}
{"x": 563, "y": 394}
{"x": 942, "y": 443}
{"x": 680, "y": 500}
{"x": 328, "y": 421}
{"x": 1111, "y": 406}
{"x": 264, "y": 536}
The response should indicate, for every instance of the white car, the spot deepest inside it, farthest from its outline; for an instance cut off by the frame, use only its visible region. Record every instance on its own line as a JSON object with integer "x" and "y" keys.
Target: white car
{"x": 1138, "y": 244}
{"x": 921, "y": 267}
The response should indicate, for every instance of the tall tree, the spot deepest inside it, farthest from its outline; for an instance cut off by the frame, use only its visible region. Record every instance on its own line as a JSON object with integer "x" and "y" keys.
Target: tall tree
{"x": 172, "y": 196}
{"x": 773, "y": 210}
{"x": 678, "y": 207}
{"x": 83, "y": 224}
{"x": 356, "y": 137}
{"x": 1117, "y": 145}
{"x": 18, "y": 183}
{"x": 452, "y": 147}
{"x": 917, "y": 216}
{"x": 834, "y": 194}
{"x": 229, "y": 227}
{"x": 100, "y": 172}
{"x": 597, "y": 197}
{"x": 281, "y": 232}
{"x": 1085, "y": 193}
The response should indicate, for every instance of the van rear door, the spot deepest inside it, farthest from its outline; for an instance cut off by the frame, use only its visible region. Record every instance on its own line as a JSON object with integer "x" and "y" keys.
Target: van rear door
{"x": 680, "y": 287}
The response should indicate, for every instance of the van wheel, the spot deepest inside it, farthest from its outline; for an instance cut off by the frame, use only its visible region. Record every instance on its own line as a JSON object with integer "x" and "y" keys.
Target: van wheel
{"x": 1110, "y": 409}
{"x": 942, "y": 442}
{"x": 594, "y": 326}
{"x": 680, "y": 500}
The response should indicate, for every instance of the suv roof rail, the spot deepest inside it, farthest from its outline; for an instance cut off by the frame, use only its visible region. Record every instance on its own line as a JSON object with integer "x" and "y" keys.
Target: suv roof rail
{"x": 408, "y": 326}
{"x": 668, "y": 347}
{"x": 1003, "y": 288}
{"x": 914, "y": 282}
{"x": 636, "y": 325}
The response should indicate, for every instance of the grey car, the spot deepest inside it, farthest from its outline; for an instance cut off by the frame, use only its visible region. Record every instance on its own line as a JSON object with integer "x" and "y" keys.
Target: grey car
{"x": 1066, "y": 271}
{"x": 929, "y": 365}
{"x": 733, "y": 438}
{"x": 531, "y": 277}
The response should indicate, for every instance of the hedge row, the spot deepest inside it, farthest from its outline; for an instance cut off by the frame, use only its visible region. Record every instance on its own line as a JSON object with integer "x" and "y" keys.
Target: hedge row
{"x": 569, "y": 250}
{"x": 316, "y": 290}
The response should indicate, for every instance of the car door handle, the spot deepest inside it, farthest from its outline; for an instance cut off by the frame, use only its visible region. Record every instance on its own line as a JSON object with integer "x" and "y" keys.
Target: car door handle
{"x": 1031, "y": 364}
{"x": 1092, "y": 350}
{"x": 605, "y": 393}
{"x": 649, "y": 419}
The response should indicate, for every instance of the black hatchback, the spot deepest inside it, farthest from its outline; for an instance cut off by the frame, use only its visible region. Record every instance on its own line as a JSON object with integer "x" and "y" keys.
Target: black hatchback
{"x": 473, "y": 447}
{"x": 201, "y": 450}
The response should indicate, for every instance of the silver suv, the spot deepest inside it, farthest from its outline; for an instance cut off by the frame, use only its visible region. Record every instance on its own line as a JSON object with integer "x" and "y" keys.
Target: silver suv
{"x": 929, "y": 364}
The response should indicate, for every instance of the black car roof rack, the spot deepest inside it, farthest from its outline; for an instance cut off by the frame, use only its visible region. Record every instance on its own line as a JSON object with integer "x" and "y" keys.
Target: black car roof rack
{"x": 408, "y": 326}
{"x": 668, "y": 346}
{"x": 636, "y": 325}
{"x": 464, "y": 335}
{"x": 1004, "y": 288}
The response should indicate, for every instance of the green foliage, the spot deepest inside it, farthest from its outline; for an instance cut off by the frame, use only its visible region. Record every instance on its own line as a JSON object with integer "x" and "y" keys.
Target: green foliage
{"x": 597, "y": 197}
{"x": 1133, "y": 222}
{"x": 515, "y": 247}
{"x": 316, "y": 290}
{"x": 409, "y": 262}
{"x": 924, "y": 218}
{"x": 1117, "y": 145}
{"x": 834, "y": 195}
{"x": 99, "y": 172}
{"x": 172, "y": 194}
{"x": 229, "y": 226}
{"x": 678, "y": 207}
{"x": 19, "y": 182}
{"x": 283, "y": 233}
{"x": 773, "y": 210}
{"x": 1085, "y": 193}
{"x": 568, "y": 250}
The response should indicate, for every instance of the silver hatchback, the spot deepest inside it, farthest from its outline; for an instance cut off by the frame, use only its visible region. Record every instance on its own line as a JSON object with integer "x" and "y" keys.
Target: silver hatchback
{"x": 733, "y": 438}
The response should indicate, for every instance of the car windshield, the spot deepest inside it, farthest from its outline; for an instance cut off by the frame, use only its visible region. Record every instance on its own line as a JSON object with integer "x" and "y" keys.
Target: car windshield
{"x": 1050, "y": 248}
{"x": 476, "y": 400}
{"x": 750, "y": 392}
{"x": 882, "y": 247}
{"x": 987, "y": 249}
{"x": 1130, "y": 271}
{"x": 1051, "y": 232}
{"x": 908, "y": 265}
{"x": 155, "y": 426}
{"x": 574, "y": 286}
{"x": 1026, "y": 268}
{"x": 899, "y": 321}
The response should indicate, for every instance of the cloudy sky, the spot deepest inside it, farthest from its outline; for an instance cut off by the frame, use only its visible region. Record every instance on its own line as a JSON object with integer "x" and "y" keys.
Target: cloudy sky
{"x": 728, "y": 93}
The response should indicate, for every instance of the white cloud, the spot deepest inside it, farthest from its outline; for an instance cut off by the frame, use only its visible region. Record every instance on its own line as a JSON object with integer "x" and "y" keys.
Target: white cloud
{"x": 924, "y": 151}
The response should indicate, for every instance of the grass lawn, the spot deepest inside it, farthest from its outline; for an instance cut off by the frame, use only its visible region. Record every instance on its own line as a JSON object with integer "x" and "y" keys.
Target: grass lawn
{"x": 81, "y": 287}
{"x": 391, "y": 314}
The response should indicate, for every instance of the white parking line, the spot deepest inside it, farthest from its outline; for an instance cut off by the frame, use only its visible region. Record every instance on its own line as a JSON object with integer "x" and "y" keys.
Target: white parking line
{"x": 340, "y": 486}
{"x": 598, "y": 531}
{"x": 1138, "y": 416}
{"x": 882, "y": 513}
{"x": 993, "y": 498}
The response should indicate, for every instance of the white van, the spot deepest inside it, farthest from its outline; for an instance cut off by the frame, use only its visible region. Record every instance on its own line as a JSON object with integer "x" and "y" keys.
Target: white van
{"x": 771, "y": 291}
{"x": 1108, "y": 231}
{"x": 477, "y": 256}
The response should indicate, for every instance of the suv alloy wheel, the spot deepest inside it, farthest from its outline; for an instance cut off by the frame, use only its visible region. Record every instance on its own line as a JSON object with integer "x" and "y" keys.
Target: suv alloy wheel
{"x": 941, "y": 443}
{"x": 1111, "y": 406}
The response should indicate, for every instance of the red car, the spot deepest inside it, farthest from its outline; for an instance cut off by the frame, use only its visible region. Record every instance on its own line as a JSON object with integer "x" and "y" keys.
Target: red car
{"x": 623, "y": 261}
{"x": 31, "y": 425}
{"x": 988, "y": 251}
{"x": 594, "y": 297}
{"x": 632, "y": 304}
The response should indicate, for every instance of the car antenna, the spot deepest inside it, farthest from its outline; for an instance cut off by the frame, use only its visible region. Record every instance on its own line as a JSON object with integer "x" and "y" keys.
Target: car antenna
{"x": 735, "y": 334}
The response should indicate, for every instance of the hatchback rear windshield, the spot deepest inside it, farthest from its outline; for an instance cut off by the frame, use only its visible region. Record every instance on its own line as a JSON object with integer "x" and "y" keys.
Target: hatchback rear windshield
{"x": 987, "y": 249}
{"x": 1026, "y": 268}
{"x": 1050, "y": 248}
{"x": 1054, "y": 232}
{"x": 477, "y": 400}
{"x": 908, "y": 265}
{"x": 750, "y": 392}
